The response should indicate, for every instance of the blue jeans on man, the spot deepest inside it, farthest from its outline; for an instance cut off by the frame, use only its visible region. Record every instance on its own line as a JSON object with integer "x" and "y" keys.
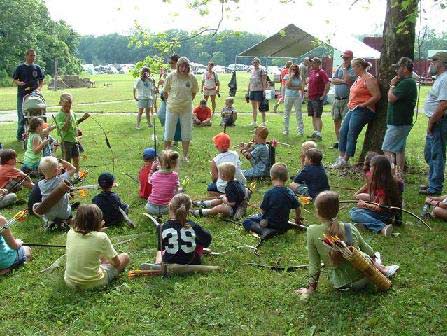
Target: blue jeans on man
{"x": 351, "y": 127}
{"x": 20, "y": 118}
{"x": 434, "y": 152}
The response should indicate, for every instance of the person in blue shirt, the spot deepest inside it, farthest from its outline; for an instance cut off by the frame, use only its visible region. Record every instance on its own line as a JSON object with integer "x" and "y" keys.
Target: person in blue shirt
{"x": 312, "y": 179}
{"x": 275, "y": 206}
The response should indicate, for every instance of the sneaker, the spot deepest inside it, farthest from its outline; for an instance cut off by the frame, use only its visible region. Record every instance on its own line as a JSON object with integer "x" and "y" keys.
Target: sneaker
{"x": 391, "y": 270}
{"x": 138, "y": 127}
{"x": 185, "y": 159}
{"x": 300, "y": 133}
{"x": 429, "y": 193}
{"x": 318, "y": 137}
{"x": 198, "y": 203}
{"x": 312, "y": 136}
{"x": 285, "y": 132}
{"x": 387, "y": 230}
{"x": 253, "y": 124}
{"x": 263, "y": 124}
{"x": 340, "y": 163}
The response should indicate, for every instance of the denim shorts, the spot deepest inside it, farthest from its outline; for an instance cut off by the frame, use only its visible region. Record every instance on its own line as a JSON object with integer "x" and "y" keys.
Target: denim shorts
{"x": 110, "y": 272}
{"x": 144, "y": 103}
{"x": 20, "y": 259}
{"x": 155, "y": 209}
{"x": 396, "y": 138}
{"x": 315, "y": 108}
{"x": 257, "y": 96}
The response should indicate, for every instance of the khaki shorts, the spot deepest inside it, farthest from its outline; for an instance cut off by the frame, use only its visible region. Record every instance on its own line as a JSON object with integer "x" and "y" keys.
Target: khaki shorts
{"x": 209, "y": 92}
{"x": 339, "y": 109}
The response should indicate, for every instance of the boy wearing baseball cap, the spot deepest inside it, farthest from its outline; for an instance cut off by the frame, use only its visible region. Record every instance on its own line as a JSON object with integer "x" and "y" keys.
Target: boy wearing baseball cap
{"x": 146, "y": 171}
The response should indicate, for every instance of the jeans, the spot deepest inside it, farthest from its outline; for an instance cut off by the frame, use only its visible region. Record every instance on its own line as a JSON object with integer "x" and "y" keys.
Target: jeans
{"x": 351, "y": 127}
{"x": 434, "y": 152}
{"x": 20, "y": 118}
{"x": 375, "y": 221}
{"x": 289, "y": 103}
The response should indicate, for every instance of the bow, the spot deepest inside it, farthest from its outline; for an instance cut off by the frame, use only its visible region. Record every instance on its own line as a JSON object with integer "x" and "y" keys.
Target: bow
{"x": 107, "y": 141}
{"x": 18, "y": 217}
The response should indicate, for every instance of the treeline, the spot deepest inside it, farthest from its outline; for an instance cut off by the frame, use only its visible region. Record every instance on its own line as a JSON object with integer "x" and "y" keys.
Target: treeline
{"x": 221, "y": 47}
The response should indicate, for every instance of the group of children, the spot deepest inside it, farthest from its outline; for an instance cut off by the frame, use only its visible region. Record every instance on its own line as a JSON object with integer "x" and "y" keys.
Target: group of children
{"x": 202, "y": 114}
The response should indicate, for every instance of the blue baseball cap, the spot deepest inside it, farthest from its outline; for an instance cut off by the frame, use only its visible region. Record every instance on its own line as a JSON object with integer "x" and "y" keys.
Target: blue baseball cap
{"x": 105, "y": 180}
{"x": 149, "y": 153}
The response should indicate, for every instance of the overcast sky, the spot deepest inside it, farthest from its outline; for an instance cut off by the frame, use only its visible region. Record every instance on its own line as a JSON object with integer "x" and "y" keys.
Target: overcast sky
{"x": 322, "y": 17}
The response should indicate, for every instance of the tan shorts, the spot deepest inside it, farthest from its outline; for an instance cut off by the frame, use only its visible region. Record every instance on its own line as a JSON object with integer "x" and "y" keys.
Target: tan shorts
{"x": 209, "y": 92}
{"x": 339, "y": 109}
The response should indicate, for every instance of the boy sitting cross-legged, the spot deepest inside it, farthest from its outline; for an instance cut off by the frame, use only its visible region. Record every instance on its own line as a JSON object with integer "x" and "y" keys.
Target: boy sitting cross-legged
{"x": 275, "y": 207}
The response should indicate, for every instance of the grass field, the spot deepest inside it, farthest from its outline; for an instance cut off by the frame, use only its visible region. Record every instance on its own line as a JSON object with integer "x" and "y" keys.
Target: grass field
{"x": 239, "y": 299}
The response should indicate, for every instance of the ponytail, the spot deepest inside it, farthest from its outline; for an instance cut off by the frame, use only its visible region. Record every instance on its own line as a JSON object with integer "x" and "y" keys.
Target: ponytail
{"x": 180, "y": 205}
{"x": 181, "y": 214}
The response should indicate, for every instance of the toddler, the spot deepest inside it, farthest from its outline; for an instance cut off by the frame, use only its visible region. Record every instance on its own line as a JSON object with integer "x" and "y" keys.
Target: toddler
{"x": 258, "y": 154}
{"x": 201, "y": 115}
{"x": 229, "y": 113}
{"x": 34, "y": 145}
{"x": 145, "y": 173}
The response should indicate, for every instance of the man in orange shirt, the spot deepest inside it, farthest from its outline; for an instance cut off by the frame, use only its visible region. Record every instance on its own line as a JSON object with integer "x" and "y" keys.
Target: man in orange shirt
{"x": 201, "y": 115}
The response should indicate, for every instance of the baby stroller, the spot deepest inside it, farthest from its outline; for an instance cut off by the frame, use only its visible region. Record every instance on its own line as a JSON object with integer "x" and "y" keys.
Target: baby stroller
{"x": 34, "y": 105}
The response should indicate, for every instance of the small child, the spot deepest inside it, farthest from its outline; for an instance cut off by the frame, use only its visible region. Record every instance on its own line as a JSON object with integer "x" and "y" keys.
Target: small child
{"x": 384, "y": 191}
{"x": 222, "y": 142}
{"x": 275, "y": 206}
{"x": 305, "y": 146}
{"x": 165, "y": 184}
{"x": 362, "y": 193}
{"x": 67, "y": 125}
{"x": 229, "y": 113}
{"x": 91, "y": 260}
{"x": 143, "y": 92}
{"x": 201, "y": 115}
{"x": 109, "y": 202}
{"x": 56, "y": 216}
{"x": 312, "y": 179}
{"x": 235, "y": 194}
{"x": 439, "y": 207}
{"x": 182, "y": 240}
{"x": 258, "y": 154}
{"x": 145, "y": 172}
{"x": 342, "y": 274}
{"x": 12, "y": 253}
{"x": 12, "y": 178}
{"x": 34, "y": 146}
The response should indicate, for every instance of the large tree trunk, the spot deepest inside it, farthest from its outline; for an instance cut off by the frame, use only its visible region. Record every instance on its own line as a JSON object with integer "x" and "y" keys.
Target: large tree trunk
{"x": 398, "y": 41}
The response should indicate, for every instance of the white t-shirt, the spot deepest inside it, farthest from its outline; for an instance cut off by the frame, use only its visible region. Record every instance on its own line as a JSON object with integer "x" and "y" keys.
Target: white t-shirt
{"x": 437, "y": 93}
{"x": 144, "y": 88}
{"x": 210, "y": 80}
{"x": 233, "y": 157}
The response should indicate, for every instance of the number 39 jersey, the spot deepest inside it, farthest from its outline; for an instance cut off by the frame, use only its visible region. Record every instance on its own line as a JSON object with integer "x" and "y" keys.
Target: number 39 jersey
{"x": 179, "y": 243}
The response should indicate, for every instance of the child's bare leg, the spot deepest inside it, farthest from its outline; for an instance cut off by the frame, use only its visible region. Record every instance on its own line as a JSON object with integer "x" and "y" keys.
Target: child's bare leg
{"x": 148, "y": 115}
{"x": 440, "y": 213}
{"x": 140, "y": 112}
{"x": 76, "y": 162}
{"x": 214, "y": 193}
{"x": 223, "y": 209}
{"x": 124, "y": 261}
{"x": 263, "y": 116}
{"x": 27, "y": 250}
{"x": 158, "y": 257}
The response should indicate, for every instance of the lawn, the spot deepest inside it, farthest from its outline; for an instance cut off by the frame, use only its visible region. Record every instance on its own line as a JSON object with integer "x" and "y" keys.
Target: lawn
{"x": 239, "y": 299}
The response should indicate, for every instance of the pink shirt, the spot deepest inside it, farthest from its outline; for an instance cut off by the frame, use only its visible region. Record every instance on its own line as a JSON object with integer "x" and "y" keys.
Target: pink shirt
{"x": 164, "y": 187}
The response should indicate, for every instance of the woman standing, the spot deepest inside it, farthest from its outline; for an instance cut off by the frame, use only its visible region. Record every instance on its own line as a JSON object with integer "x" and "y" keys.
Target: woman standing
{"x": 180, "y": 89}
{"x": 293, "y": 98}
{"x": 363, "y": 96}
{"x": 256, "y": 87}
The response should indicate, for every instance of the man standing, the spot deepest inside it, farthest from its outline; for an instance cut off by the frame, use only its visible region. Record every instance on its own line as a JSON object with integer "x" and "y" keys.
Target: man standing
{"x": 210, "y": 85}
{"x": 282, "y": 76}
{"x": 402, "y": 96}
{"x": 436, "y": 139}
{"x": 28, "y": 77}
{"x": 343, "y": 78}
{"x": 304, "y": 70}
{"x": 317, "y": 90}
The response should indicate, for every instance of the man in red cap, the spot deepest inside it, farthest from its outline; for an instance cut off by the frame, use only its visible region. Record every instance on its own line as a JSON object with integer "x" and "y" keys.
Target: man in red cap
{"x": 343, "y": 78}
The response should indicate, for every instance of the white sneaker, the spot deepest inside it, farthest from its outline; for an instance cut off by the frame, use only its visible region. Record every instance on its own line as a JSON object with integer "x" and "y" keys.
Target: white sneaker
{"x": 285, "y": 132}
{"x": 391, "y": 270}
{"x": 185, "y": 159}
{"x": 263, "y": 124}
{"x": 300, "y": 132}
{"x": 339, "y": 163}
{"x": 138, "y": 127}
{"x": 253, "y": 124}
{"x": 387, "y": 230}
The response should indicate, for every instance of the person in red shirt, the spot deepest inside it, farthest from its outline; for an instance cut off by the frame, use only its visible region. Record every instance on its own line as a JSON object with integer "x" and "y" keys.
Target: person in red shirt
{"x": 12, "y": 178}
{"x": 201, "y": 115}
{"x": 284, "y": 73}
{"x": 145, "y": 172}
{"x": 317, "y": 89}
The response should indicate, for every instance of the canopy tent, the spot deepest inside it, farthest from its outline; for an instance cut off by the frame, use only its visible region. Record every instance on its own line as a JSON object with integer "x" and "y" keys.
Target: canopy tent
{"x": 293, "y": 42}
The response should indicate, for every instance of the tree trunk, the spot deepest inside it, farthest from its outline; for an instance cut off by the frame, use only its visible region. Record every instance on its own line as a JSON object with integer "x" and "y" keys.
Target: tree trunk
{"x": 398, "y": 41}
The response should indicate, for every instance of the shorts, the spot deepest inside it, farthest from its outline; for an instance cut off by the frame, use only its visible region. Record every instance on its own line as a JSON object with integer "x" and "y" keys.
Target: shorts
{"x": 144, "y": 103}
{"x": 339, "y": 109}
{"x": 315, "y": 108}
{"x": 155, "y": 209}
{"x": 212, "y": 187}
{"x": 209, "y": 92}
{"x": 110, "y": 273}
{"x": 28, "y": 168}
{"x": 256, "y": 96}
{"x": 302, "y": 190}
{"x": 185, "y": 119}
{"x": 396, "y": 138}
{"x": 20, "y": 259}
{"x": 71, "y": 150}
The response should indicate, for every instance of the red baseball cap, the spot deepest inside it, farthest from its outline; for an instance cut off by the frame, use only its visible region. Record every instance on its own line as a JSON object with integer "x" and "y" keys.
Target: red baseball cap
{"x": 348, "y": 53}
{"x": 222, "y": 141}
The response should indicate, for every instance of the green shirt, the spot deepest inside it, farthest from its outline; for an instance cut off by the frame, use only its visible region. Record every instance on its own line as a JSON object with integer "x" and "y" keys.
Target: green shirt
{"x": 401, "y": 111}
{"x": 70, "y": 134}
{"x": 31, "y": 159}
{"x": 339, "y": 275}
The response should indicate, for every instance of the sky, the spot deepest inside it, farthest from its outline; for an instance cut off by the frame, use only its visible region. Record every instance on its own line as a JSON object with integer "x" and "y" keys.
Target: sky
{"x": 320, "y": 17}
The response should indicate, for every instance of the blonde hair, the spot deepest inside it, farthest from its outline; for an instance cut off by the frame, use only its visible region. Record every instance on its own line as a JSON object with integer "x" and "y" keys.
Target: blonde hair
{"x": 47, "y": 164}
{"x": 306, "y": 145}
{"x": 279, "y": 172}
{"x": 65, "y": 96}
{"x": 168, "y": 159}
{"x": 227, "y": 171}
{"x": 360, "y": 61}
{"x": 180, "y": 205}
{"x": 183, "y": 60}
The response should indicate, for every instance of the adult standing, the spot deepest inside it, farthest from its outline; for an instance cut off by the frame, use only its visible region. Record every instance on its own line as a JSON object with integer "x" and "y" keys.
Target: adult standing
{"x": 210, "y": 85}
{"x": 402, "y": 96}
{"x": 256, "y": 90}
{"x": 282, "y": 78}
{"x": 143, "y": 91}
{"x": 363, "y": 96}
{"x": 180, "y": 89}
{"x": 28, "y": 77}
{"x": 343, "y": 78}
{"x": 292, "y": 98}
{"x": 435, "y": 142}
{"x": 304, "y": 69}
{"x": 317, "y": 89}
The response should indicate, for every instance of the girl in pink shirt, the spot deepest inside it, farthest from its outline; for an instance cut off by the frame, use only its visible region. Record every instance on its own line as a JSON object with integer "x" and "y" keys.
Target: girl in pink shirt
{"x": 165, "y": 184}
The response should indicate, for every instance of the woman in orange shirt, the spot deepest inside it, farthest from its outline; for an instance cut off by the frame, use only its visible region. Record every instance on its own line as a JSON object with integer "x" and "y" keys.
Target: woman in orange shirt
{"x": 363, "y": 96}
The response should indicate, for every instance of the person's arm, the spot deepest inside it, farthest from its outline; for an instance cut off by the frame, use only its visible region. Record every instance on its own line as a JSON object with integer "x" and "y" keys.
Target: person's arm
{"x": 302, "y": 176}
{"x": 195, "y": 87}
{"x": 392, "y": 98}
{"x": 364, "y": 247}
{"x": 38, "y": 144}
{"x": 214, "y": 171}
{"x": 41, "y": 78}
{"x": 203, "y": 83}
{"x": 439, "y": 113}
{"x": 373, "y": 88}
{"x": 68, "y": 167}
{"x": 67, "y": 122}
{"x": 298, "y": 215}
{"x": 327, "y": 84}
{"x": 264, "y": 80}
{"x": 8, "y": 236}
{"x": 135, "y": 94}
{"x": 49, "y": 129}
{"x": 208, "y": 115}
{"x": 203, "y": 237}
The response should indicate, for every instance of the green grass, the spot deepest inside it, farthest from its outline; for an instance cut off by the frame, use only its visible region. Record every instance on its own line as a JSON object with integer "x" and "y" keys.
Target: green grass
{"x": 239, "y": 299}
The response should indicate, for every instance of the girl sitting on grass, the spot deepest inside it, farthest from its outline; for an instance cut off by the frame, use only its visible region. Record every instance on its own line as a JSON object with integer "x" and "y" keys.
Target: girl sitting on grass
{"x": 12, "y": 253}
{"x": 35, "y": 144}
{"x": 91, "y": 260}
{"x": 342, "y": 274}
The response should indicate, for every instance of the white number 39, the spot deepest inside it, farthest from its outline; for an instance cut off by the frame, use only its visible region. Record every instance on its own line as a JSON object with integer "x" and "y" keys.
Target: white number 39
{"x": 187, "y": 241}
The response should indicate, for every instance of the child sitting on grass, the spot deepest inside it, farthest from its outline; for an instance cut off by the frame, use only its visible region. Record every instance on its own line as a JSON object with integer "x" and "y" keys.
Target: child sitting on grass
{"x": 383, "y": 190}
{"x": 342, "y": 274}
{"x": 258, "y": 154}
{"x": 182, "y": 241}
{"x": 222, "y": 142}
{"x": 56, "y": 217}
{"x": 109, "y": 202}
{"x": 312, "y": 179}
{"x": 275, "y": 206}
{"x": 227, "y": 204}
{"x": 366, "y": 175}
{"x": 165, "y": 184}
{"x": 201, "y": 115}
{"x": 12, "y": 253}
{"x": 305, "y": 146}
{"x": 91, "y": 260}
{"x": 144, "y": 175}
{"x": 439, "y": 204}
{"x": 229, "y": 113}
